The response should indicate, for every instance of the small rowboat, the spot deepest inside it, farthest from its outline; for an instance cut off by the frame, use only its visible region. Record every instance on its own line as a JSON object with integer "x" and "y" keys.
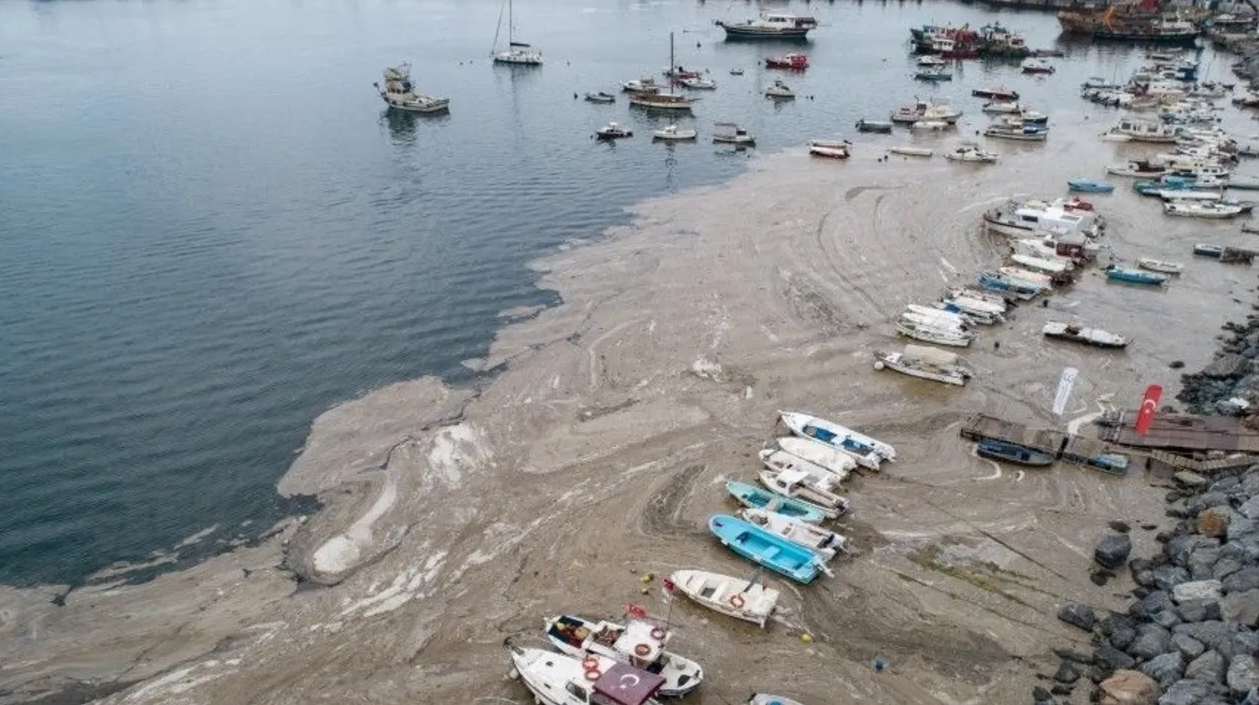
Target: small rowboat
{"x": 738, "y": 598}
{"x": 835, "y": 149}
{"x": 1090, "y": 185}
{"x": 600, "y": 97}
{"x": 1011, "y": 453}
{"x": 912, "y": 151}
{"x": 767, "y": 549}
{"x": 756, "y": 498}
{"x": 1156, "y": 265}
{"x": 672, "y": 132}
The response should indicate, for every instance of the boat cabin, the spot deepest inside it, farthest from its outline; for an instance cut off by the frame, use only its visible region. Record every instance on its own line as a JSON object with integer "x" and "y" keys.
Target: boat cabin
{"x": 642, "y": 641}
{"x": 620, "y": 685}
{"x": 789, "y": 21}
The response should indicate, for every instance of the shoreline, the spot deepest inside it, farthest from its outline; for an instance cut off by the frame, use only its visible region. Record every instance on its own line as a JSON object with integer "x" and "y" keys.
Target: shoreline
{"x": 675, "y": 338}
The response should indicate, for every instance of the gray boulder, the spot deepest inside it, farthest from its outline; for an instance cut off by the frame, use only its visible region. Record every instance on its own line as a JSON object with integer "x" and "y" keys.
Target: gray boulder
{"x": 1192, "y": 480}
{"x": 1186, "y": 692}
{"x": 1224, "y": 484}
{"x": 1199, "y": 610}
{"x": 1167, "y": 577}
{"x": 1222, "y": 568}
{"x": 1122, "y": 633}
{"x": 1212, "y": 633}
{"x": 1166, "y": 619}
{"x": 1207, "y": 668}
{"x": 1151, "y": 604}
{"x": 1206, "y": 500}
{"x": 1152, "y": 640}
{"x": 1243, "y": 580}
{"x": 1068, "y": 672}
{"x": 1241, "y": 607}
{"x": 1241, "y": 528}
{"x": 1250, "y": 508}
{"x": 1243, "y": 675}
{"x": 1078, "y": 615}
{"x": 1188, "y": 646}
{"x": 1040, "y": 696}
{"x": 1196, "y": 590}
{"x": 1179, "y": 548}
{"x": 1242, "y": 641}
{"x": 1202, "y": 561}
{"x": 1164, "y": 668}
{"x": 1250, "y": 481}
{"x": 1112, "y": 659}
{"x": 1113, "y": 550}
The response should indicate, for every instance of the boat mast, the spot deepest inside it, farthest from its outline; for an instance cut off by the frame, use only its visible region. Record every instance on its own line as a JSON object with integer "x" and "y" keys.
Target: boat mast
{"x": 672, "y": 66}
{"x": 510, "y": 26}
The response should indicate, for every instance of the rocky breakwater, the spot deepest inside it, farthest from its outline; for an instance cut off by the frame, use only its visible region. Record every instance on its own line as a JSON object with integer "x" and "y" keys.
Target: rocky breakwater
{"x": 1190, "y": 635}
{"x": 1232, "y": 375}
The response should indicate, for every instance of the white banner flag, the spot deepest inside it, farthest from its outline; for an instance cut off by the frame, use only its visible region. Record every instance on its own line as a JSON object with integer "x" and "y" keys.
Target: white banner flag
{"x": 1064, "y": 389}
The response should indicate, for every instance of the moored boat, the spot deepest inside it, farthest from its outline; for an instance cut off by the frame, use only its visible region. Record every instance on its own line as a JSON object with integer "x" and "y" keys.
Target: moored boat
{"x": 796, "y": 484}
{"x": 925, "y": 110}
{"x": 557, "y": 679}
{"x": 696, "y": 83}
{"x": 752, "y": 496}
{"x": 600, "y": 97}
{"x": 1155, "y": 265}
{"x": 834, "y": 149}
{"x": 1207, "y": 250}
{"x": 400, "y": 94}
{"x": 731, "y": 133}
{"x": 1022, "y": 132}
{"x": 638, "y": 643}
{"x": 1013, "y": 453}
{"x": 778, "y": 89}
{"x": 795, "y": 62}
{"x": 1202, "y": 210}
{"x": 655, "y": 100}
{"x": 1141, "y": 169}
{"x": 831, "y": 434}
{"x": 924, "y": 363}
{"x": 911, "y": 151}
{"x": 971, "y": 152}
{"x": 993, "y": 281}
{"x": 1001, "y": 93}
{"x": 879, "y": 126}
{"x": 1040, "y": 264}
{"x": 765, "y": 548}
{"x": 1090, "y": 186}
{"x": 516, "y": 53}
{"x": 1002, "y": 107}
{"x": 930, "y": 333}
{"x": 933, "y": 76}
{"x": 819, "y": 477}
{"x": 770, "y": 26}
{"x": 674, "y": 133}
{"x": 824, "y": 542}
{"x": 613, "y": 131}
{"x": 1080, "y": 334}
{"x": 1036, "y": 66}
{"x": 1135, "y": 276}
{"x": 832, "y": 459}
{"x": 735, "y": 597}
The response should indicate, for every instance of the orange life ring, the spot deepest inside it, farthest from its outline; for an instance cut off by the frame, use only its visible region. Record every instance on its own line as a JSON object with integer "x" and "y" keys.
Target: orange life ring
{"x": 642, "y": 650}
{"x": 590, "y": 663}
{"x": 657, "y": 633}
{"x": 736, "y": 601}
{"x": 592, "y": 674}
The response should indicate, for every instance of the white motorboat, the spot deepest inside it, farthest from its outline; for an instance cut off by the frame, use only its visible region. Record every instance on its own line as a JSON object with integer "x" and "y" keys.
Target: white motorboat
{"x": 925, "y": 110}
{"x": 924, "y": 363}
{"x": 1022, "y": 132}
{"x": 674, "y": 133}
{"x": 1144, "y": 131}
{"x": 770, "y": 25}
{"x": 793, "y": 484}
{"x": 735, "y": 597}
{"x": 780, "y": 460}
{"x": 935, "y": 316}
{"x": 698, "y": 84}
{"x": 831, "y": 434}
{"x": 824, "y": 542}
{"x": 641, "y": 85}
{"x": 1002, "y": 107}
{"x": 1022, "y": 217}
{"x": 638, "y": 643}
{"x": 1044, "y": 281}
{"x": 940, "y": 323}
{"x": 1202, "y": 210}
{"x": 1157, "y": 265}
{"x": 971, "y": 152}
{"x": 978, "y": 300}
{"x": 1049, "y": 266}
{"x": 1188, "y": 195}
{"x": 974, "y": 310}
{"x": 600, "y": 97}
{"x": 932, "y": 125}
{"x": 1032, "y": 247}
{"x": 1080, "y": 334}
{"x": 613, "y": 131}
{"x": 778, "y": 89}
{"x": 1141, "y": 169}
{"x": 933, "y": 334}
{"x": 1034, "y": 65}
{"x": 931, "y": 60}
{"x": 912, "y": 151}
{"x": 558, "y": 679}
{"x": 834, "y": 460}
{"x": 731, "y": 133}
{"x": 516, "y": 52}
{"x": 399, "y": 94}
{"x": 834, "y": 149}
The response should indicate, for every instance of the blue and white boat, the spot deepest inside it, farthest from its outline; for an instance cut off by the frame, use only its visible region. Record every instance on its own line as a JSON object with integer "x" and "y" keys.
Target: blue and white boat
{"x": 1135, "y": 276}
{"x": 1165, "y": 183}
{"x": 763, "y": 548}
{"x": 1018, "y": 289}
{"x": 1013, "y": 453}
{"x": 1090, "y": 186}
{"x": 868, "y": 452}
{"x": 756, "y": 498}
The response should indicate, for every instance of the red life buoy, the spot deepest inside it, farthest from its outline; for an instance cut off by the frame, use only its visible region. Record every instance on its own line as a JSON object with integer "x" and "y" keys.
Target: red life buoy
{"x": 736, "y": 600}
{"x": 592, "y": 674}
{"x": 642, "y": 649}
{"x": 590, "y": 664}
{"x": 657, "y": 633}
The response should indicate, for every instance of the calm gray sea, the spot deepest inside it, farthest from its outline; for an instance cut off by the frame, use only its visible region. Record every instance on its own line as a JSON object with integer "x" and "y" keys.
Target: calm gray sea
{"x": 211, "y": 231}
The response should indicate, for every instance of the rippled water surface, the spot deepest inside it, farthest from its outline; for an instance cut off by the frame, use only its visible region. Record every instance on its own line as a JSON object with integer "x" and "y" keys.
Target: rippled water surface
{"x": 210, "y": 231}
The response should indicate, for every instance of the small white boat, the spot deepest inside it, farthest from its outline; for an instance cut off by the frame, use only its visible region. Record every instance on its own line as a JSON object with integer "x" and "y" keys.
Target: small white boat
{"x": 638, "y": 643}
{"x": 557, "y": 679}
{"x": 933, "y": 334}
{"x": 834, "y": 149}
{"x": 979, "y": 299}
{"x": 795, "y": 484}
{"x": 731, "y": 133}
{"x": 933, "y": 125}
{"x": 600, "y": 97}
{"x": 736, "y": 72}
{"x": 1079, "y": 334}
{"x": 824, "y": 542}
{"x": 780, "y": 460}
{"x": 699, "y": 84}
{"x": 1139, "y": 169}
{"x": 641, "y": 85}
{"x": 674, "y": 133}
{"x": 1036, "y": 66}
{"x": 838, "y": 462}
{"x": 400, "y": 94}
{"x": 932, "y": 60}
{"x": 912, "y": 151}
{"x": 1202, "y": 210}
{"x": 735, "y": 597}
{"x": 935, "y": 318}
{"x": 1157, "y": 265}
{"x": 971, "y": 152}
{"x": 765, "y": 699}
{"x": 831, "y": 434}
{"x": 970, "y": 310}
{"x": 1044, "y": 281}
{"x": 778, "y": 89}
{"x": 1051, "y": 266}
{"x": 924, "y": 363}
{"x": 1002, "y": 107}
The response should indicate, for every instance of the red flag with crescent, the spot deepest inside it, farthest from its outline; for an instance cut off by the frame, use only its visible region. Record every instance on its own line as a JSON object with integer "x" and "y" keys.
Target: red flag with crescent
{"x": 669, "y": 586}
{"x": 1149, "y": 405}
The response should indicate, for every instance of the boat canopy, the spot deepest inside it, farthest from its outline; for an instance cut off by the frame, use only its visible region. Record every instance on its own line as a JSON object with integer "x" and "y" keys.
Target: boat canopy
{"x": 626, "y": 685}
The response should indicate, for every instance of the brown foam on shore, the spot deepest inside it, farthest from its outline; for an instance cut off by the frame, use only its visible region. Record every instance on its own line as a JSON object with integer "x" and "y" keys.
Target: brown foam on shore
{"x": 456, "y": 518}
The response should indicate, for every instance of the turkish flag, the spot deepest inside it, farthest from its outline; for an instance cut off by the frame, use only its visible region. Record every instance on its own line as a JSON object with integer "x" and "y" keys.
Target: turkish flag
{"x": 668, "y": 585}
{"x": 1149, "y": 405}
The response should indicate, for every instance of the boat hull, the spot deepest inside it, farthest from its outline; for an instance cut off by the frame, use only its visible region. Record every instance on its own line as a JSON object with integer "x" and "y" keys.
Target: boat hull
{"x": 743, "y": 33}
{"x": 766, "y": 549}
{"x": 756, "y": 498}
{"x": 755, "y": 602}
{"x": 1011, "y": 453}
{"x": 832, "y": 435}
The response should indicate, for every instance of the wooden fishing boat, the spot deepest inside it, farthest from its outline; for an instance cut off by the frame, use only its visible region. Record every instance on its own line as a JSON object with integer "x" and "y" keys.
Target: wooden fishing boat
{"x": 766, "y": 549}
{"x": 1012, "y": 453}
{"x": 756, "y": 498}
{"x": 742, "y": 599}
{"x": 1080, "y": 334}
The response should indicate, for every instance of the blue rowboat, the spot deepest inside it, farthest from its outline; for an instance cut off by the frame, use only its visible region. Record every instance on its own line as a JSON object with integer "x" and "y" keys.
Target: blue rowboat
{"x": 766, "y": 549}
{"x": 1005, "y": 285}
{"x": 1135, "y": 276}
{"x": 1090, "y": 186}
{"x": 756, "y": 498}
{"x": 1011, "y": 453}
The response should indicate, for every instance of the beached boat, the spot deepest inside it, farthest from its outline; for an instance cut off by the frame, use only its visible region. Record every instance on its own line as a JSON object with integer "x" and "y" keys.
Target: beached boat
{"x": 929, "y": 333}
{"x": 935, "y": 318}
{"x": 735, "y": 597}
{"x": 1090, "y": 186}
{"x": 1080, "y": 334}
{"x": 1002, "y": 107}
{"x": 925, "y": 363}
{"x": 1031, "y": 117}
{"x": 974, "y": 311}
{"x": 977, "y": 300}
{"x": 731, "y": 133}
{"x": 1141, "y": 169}
{"x": 613, "y": 131}
{"x": 756, "y": 498}
{"x": 770, "y": 26}
{"x": 795, "y": 484}
{"x": 1021, "y": 132}
{"x": 1202, "y": 210}
{"x": 777, "y": 460}
{"x": 1027, "y": 276}
{"x": 912, "y": 151}
{"x": 778, "y": 89}
{"x": 1206, "y": 250}
{"x": 834, "y": 149}
{"x": 1053, "y": 266}
{"x": 399, "y": 93}
{"x": 767, "y": 549}
{"x": 824, "y": 542}
{"x": 516, "y": 53}
{"x": 1036, "y": 66}
{"x": 824, "y": 456}
{"x": 868, "y": 451}
{"x": 674, "y": 133}
{"x": 1158, "y": 265}
{"x": 1012, "y": 453}
{"x": 556, "y": 679}
{"x": 939, "y": 313}
{"x": 864, "y": 125}
{"x": 971, "y": 152}
{"x": 638, "y": 643}
{"x": 993, "y": 281}
{"x": 1135, "y": 276}
{"x": 765, "y": 699}
{"x": 600, "y": 97}
{"x": 794, "y": 62}
{"x": 995, "y": 93}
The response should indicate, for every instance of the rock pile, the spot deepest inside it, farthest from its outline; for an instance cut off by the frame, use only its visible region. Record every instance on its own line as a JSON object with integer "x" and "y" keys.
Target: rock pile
{"x": 1232, "y": 374}
{"x": 1191, "y": 634}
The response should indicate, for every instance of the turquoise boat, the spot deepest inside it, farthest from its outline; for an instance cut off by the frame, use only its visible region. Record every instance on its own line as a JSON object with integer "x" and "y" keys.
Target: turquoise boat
{"x": 766, "y": 549}
{"x": 1135, "y": 276}
{"x": 1090, "y": 186}
{"x": 756, "y": 498}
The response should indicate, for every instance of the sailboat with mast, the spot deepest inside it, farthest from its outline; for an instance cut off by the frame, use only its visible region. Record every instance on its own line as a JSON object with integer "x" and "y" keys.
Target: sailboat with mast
{"x": 518, "y": 53}
{"x": 663, "y": 101}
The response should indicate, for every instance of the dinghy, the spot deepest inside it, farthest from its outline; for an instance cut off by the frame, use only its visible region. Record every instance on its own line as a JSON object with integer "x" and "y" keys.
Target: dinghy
{"x": 1157, "y": 265}
{"x": 795, "y": 484}
{"x": 832, "y": 459}
{"x": 912, "y": 151}
{"x": 1135, "y": 276}
{"x": 1011, "y": 453}
{"x": 822, "y": 541}
{"x": 1090, "y": 186}
{"x": 779, "y": 460}
{"x": 928, "y": 333}
{"x": 638, "y": 643}
{"x": 738, "y": 598}
{"x": 833, "y": 435}
{"x": 1207, "y": 250}
{"x": 600, "y": 97}
{"x": 834, "y": 149}
{"x": 763, "y": 699}
{"x": 924, "y": 363}
{"x": 764, "y": 548}
{"x": 1080, "y": 334}
{"x": 556, "y": 679}
{"x": 756, "y": 498}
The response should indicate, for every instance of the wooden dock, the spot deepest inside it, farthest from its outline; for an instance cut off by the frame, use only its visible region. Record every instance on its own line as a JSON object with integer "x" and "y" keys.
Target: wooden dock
{"x": 982, "y": 427}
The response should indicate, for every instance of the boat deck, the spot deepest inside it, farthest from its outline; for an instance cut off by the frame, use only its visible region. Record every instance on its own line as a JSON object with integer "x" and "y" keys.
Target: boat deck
{"x": 1184, "y": 433}
{"x": 982, "y": 427}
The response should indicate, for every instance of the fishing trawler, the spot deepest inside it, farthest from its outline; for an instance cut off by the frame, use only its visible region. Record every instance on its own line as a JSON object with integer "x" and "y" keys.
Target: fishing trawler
{"x": 1141, "y": 21}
